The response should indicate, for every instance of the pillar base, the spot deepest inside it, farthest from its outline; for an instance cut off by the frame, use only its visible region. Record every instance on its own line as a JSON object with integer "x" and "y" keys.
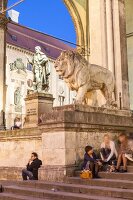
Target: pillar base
{"x": 56, "y": 172}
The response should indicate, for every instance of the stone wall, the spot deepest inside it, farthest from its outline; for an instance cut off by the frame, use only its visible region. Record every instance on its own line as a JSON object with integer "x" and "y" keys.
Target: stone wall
{"x": 16, "y": 146}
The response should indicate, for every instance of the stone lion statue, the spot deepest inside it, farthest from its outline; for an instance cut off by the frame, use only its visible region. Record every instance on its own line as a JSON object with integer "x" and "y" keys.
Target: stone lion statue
{"x": 84, "y": 77}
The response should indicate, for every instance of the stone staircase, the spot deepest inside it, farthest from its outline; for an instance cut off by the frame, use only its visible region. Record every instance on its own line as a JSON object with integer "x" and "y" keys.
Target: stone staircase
{"x": 111, "y": 186}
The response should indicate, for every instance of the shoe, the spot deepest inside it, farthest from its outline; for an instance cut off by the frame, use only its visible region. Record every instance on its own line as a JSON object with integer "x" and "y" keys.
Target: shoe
{"x": 123, "y": 171}
{"x": 113, "y": 171}
{"x": 116, "y": 170}
{"x": 96, "y": 176}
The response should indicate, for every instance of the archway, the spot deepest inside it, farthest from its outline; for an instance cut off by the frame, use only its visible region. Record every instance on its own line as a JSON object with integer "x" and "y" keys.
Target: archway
{"x": 77, "y": 22}
{"x": 77, "y": 19}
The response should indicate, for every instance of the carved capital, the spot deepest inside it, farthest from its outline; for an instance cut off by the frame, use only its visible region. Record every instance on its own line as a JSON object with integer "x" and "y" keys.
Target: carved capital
{"x": 81, "y": 50}
{"x": 3, "y": 21}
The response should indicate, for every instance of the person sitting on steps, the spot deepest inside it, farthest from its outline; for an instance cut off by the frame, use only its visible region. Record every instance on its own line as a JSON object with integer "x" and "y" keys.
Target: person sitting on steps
{"x": 17, "y": 124}
{"x": 91, "y": 162}
{"x": 125, "y": 148}
{"x": 108, "y": 151}
{"x": 32, "y": 167}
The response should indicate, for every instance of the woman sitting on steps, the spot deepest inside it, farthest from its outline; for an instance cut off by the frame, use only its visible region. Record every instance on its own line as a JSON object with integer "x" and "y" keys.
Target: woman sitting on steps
{"x": 91, "y": 162}
{"x": 108, "y": 151}
{"x": 125, "y": 152}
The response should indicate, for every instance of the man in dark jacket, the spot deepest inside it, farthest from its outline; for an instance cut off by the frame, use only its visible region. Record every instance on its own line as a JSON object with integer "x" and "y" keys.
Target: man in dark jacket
{"x": 91, "y": 162}
{"x": 32, "y": 168}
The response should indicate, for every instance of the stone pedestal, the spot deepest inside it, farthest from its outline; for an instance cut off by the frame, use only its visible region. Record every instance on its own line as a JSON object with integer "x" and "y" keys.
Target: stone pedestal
{"x": 60, "y": 139}
{"x": 37, "y": 104}
{"x": 68, "y": 129}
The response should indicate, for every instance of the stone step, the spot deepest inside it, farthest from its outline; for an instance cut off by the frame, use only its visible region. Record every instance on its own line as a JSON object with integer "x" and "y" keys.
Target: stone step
{"x": 130, "y": 169}
{"x": 53, "y": 194}
{"x": 113, "y": 183}
{"x": 9, "y": 196}
{"x": 106, "y": 175}
{"x": 117, "y": 176}
{"x": 56, "y": 188}
{"x": 124, "y": 184}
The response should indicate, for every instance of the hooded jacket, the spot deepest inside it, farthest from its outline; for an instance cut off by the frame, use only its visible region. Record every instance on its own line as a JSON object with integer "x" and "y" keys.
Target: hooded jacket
{"x": 34, "y": 166}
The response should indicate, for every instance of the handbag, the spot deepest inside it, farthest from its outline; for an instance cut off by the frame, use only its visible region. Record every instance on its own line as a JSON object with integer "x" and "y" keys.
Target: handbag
{"x": 86, "y": 174}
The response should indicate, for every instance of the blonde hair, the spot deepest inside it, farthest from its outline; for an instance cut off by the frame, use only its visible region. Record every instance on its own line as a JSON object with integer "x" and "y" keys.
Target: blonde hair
{"x": 106, "y": 135}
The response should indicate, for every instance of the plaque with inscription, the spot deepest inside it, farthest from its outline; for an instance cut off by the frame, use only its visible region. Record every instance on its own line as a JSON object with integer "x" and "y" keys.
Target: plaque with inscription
{"x": 31, "y": 111}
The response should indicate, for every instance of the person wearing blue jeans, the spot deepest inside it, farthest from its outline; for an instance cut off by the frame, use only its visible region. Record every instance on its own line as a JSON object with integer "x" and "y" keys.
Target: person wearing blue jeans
{"x": 31, "y": 171}
{"x": 26, "y": 173}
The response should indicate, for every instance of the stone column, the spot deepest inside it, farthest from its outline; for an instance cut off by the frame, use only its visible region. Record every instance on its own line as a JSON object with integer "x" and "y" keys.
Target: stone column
{"x": 2, "y": 38}
{"x": 95, "y": 29}
{"x": 109, "y": 29}
{"x": 104, "y": 34}
{"x": 3, "y": 23}
{"x": 117, "y": 49}
{"x": 120, "y": 52}
{"x": 87, "y": 30}
{"x": 124, "y": 62}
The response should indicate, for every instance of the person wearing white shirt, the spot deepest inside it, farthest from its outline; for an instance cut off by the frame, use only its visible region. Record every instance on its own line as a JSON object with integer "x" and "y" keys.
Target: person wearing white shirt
{"x": 17, "y": 124}
{"x": 108, "y": 150}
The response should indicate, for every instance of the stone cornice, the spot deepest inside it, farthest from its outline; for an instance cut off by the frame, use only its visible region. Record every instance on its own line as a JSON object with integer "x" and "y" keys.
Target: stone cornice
{"x": 21, "y": 134}
{"x": 39, "y": 96}
{"x": 83, "y": 118}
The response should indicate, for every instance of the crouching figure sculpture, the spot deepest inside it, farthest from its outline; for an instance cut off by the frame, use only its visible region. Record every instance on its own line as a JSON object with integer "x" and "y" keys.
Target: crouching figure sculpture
{"x": 84, "y": 77}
